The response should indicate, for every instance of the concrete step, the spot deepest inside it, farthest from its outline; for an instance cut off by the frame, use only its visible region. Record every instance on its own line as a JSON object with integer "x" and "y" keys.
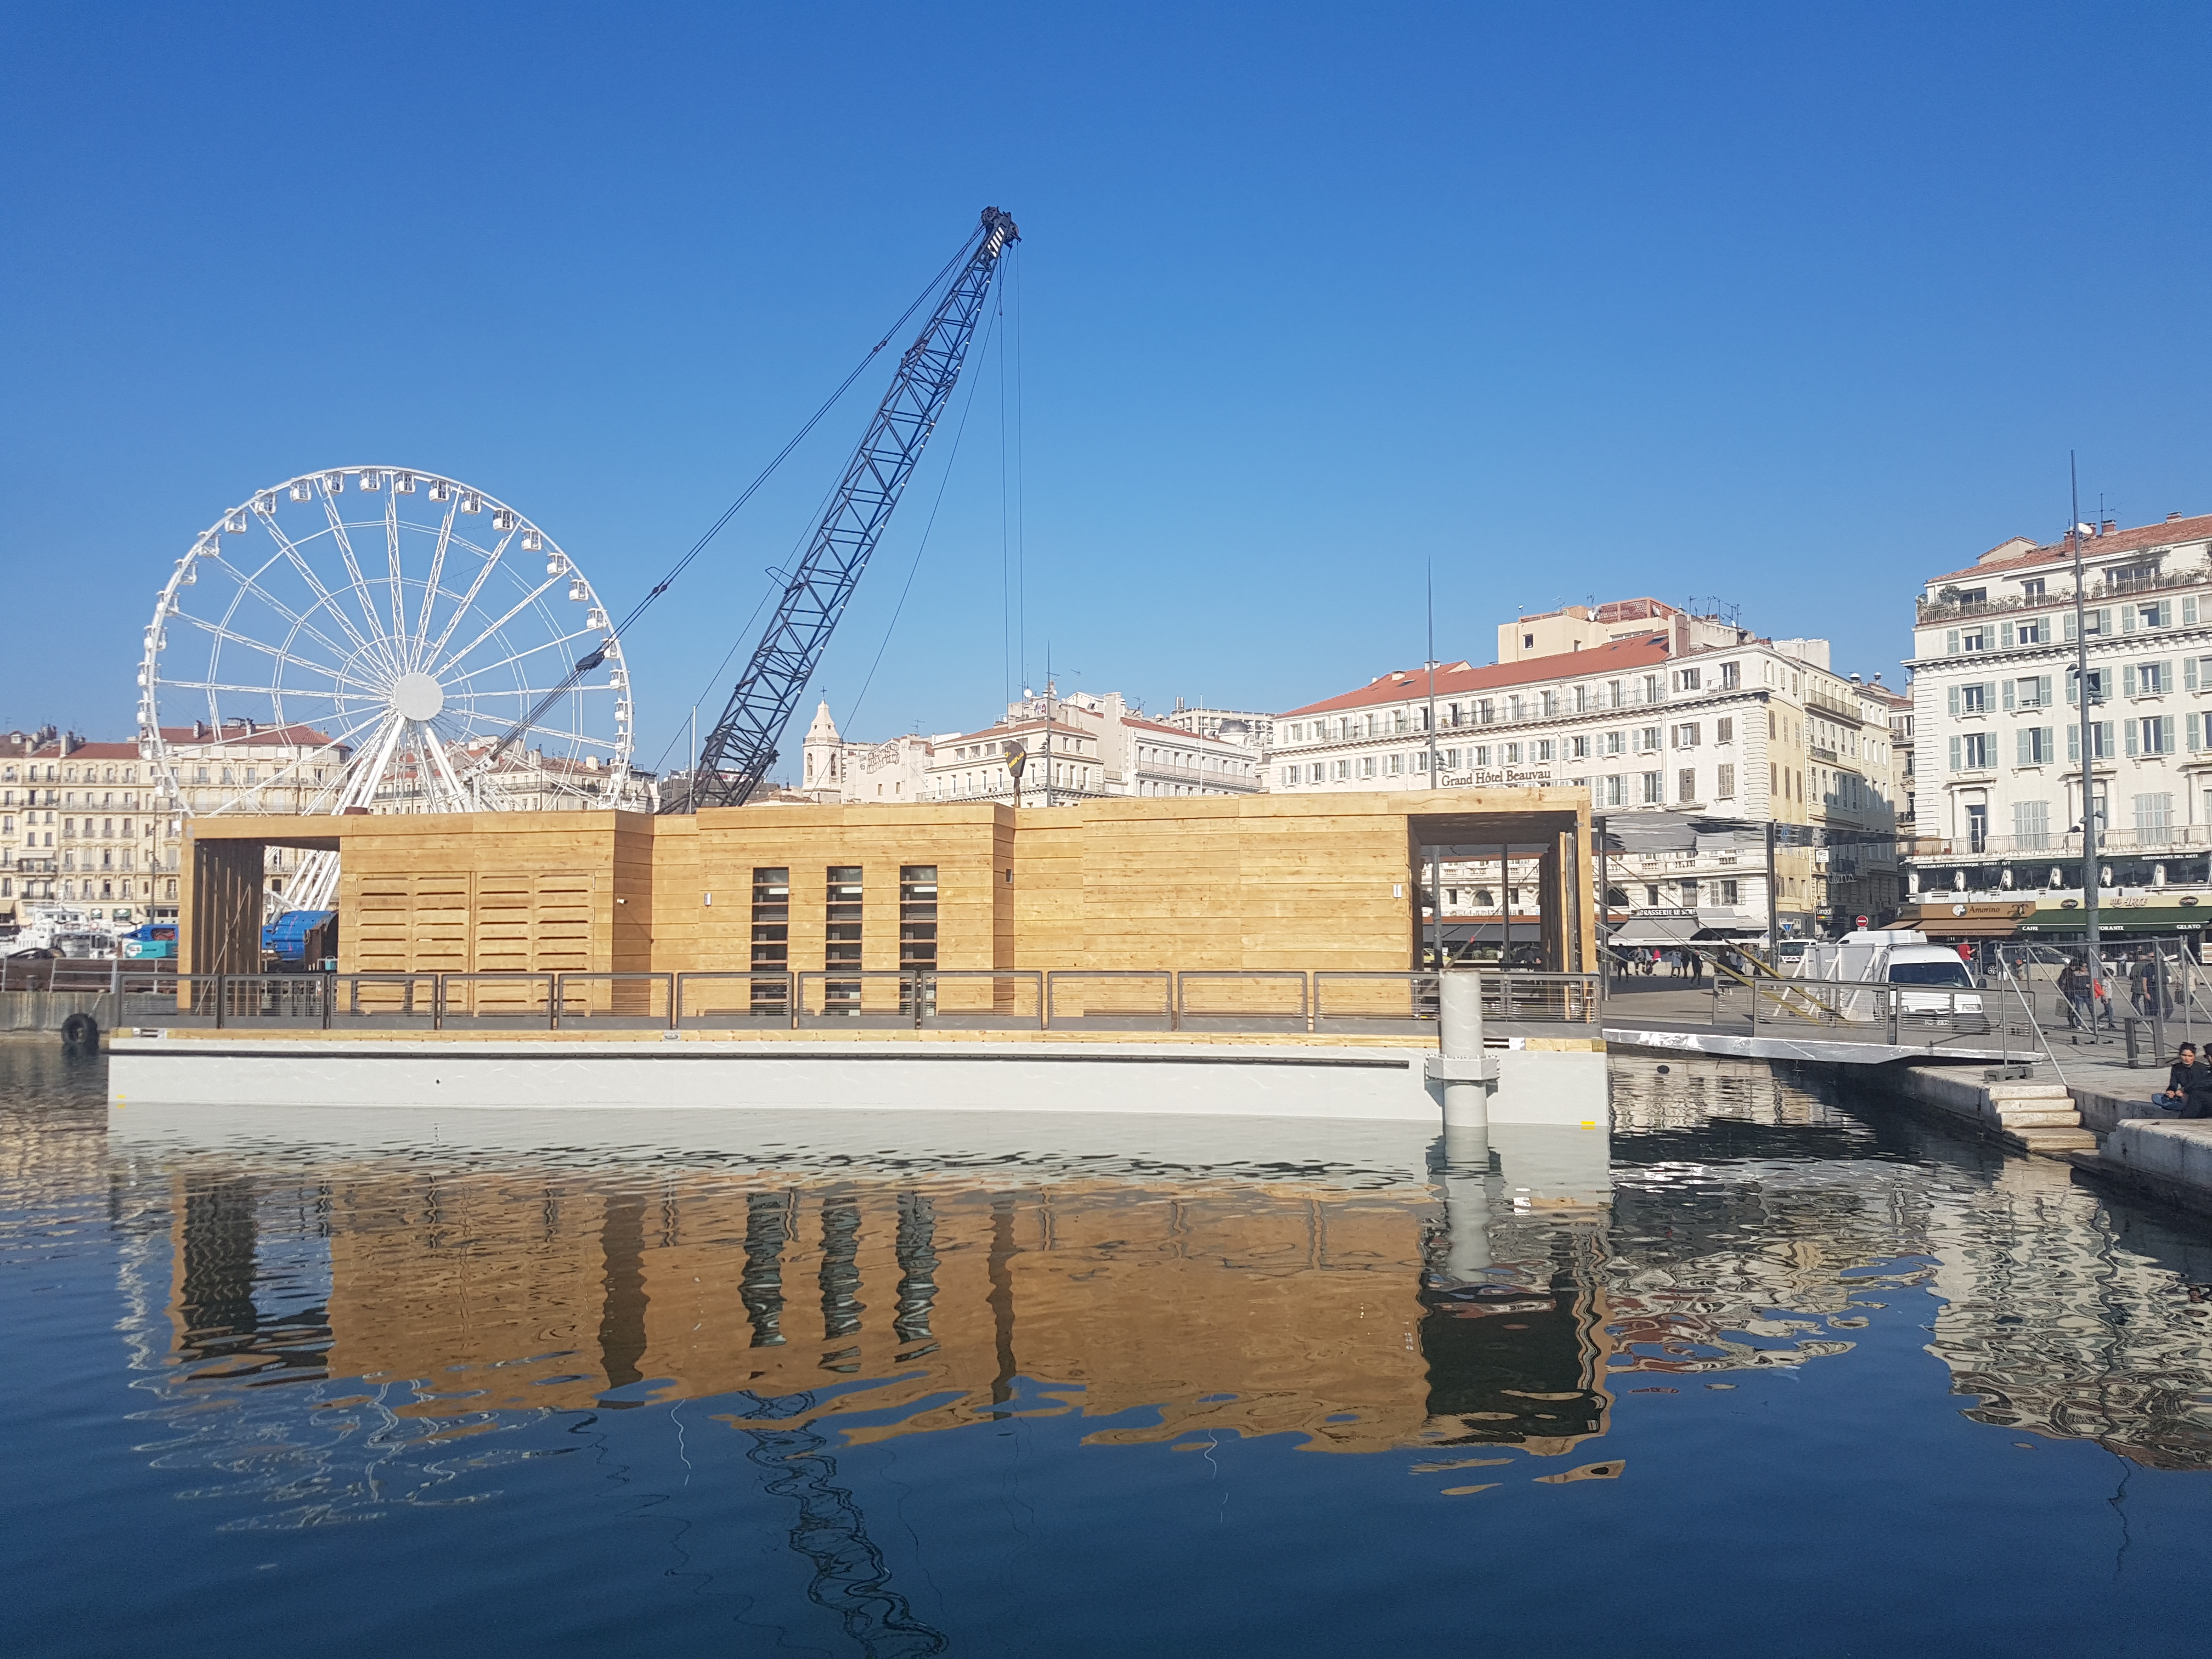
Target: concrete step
{"x": 2054, "y": 1143}
{"x": 2025, "y": 1118}
{"x": 2011, "y": 1091}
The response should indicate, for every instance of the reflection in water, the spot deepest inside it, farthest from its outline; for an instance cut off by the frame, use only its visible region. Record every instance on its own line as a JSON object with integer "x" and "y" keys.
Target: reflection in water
{"x": 347, "y": 1332}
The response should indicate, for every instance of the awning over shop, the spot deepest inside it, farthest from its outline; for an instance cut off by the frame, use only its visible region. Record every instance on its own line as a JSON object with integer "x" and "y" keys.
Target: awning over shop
{"x": 1962, "y": 919}
{"x": 2121, "y": 916}
{"x": 1717, "y": 926}
{"x": 1661, "y": 933}
{"x": 1492, "y": 933}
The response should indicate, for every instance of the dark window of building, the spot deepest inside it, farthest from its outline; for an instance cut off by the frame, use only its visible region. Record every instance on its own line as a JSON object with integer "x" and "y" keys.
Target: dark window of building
{"x": 771, "y": 939}
{"x": 917, "y": 931}
{"x": 840, "y": 937}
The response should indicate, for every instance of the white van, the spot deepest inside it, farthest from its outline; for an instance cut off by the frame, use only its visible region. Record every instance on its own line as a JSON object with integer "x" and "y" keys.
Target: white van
{"x": 1892, "y": 957}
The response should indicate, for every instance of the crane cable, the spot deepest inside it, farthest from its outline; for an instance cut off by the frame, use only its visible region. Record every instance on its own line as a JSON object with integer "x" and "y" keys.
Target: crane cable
{"x": 597, "y": 654}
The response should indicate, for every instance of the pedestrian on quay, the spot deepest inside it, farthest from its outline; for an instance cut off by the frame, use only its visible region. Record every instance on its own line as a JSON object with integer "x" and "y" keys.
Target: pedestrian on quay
{"x": 2069, "y": 986}
{"x": 2142, "y": 983}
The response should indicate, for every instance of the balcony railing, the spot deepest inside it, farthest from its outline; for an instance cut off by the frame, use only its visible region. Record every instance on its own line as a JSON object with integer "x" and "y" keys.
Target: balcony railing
{"x": 1935, "y": 610}
{"x": 2180, "y": 837}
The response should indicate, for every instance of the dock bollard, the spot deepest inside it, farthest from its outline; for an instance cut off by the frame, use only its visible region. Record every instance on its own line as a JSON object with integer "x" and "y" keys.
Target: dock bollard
{"x": 1461, "y": 1066}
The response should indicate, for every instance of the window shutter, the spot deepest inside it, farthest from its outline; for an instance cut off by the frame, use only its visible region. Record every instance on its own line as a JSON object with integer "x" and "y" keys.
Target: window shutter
{"x": 1954, "y": 754}
{"x": 2004, "y": 636}
{"x": 2073, "y": 742}
{"x": 2024, "y": 746}
{"x": 2128, "y": 681}
{"x": 2050, "y": 745}
{"x": 2196, "y": 732}
{"x": 2073, "y": 687}
{"x": 1955, "y": 700}
{"x": 2070, "y": 624}
{"x": 2104, "y": 621}
{"x": 2007, "y": 694}
{"x": 2131, "y": 735}
{"x": 2165, "y": 734}
{"x": 2189, "y": 673}
{"x": 2043, "y": 690}
{"x": 2189, "y": 613}
{"x": 2127, "y": 619}
{"x": 1951, "y": 643}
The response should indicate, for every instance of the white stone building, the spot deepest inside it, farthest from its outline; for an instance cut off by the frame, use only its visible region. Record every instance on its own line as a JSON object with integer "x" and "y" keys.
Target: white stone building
{"x": 1746, "y": 731}
{"x": 115, "y": 846}
{"x": 1082, "y": 746}
{"x": 1997, "y": 721}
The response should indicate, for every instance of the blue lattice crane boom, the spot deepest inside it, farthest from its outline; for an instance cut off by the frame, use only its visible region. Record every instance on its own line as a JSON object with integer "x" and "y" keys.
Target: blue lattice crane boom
{"x": 735, "y": 758}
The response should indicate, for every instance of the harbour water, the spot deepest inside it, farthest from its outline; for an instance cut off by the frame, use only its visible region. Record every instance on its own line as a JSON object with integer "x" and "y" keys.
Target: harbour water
{"x": 1794, "y": 1370}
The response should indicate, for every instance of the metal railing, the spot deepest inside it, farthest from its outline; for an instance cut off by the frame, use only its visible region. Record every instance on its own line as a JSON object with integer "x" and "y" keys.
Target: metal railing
{"x": 1118, "y": 1011}
{"x": 980, "y": 998}
{"x": 1905, "y": 1015}
{"x": 1382, "y": 999}
{"x": 1220, "y": 1009}
{"x": 92, "y": 974}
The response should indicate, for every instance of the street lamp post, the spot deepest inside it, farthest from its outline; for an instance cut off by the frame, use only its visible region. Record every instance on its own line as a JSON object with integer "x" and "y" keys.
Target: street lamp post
{"x": 2088, "y": 748}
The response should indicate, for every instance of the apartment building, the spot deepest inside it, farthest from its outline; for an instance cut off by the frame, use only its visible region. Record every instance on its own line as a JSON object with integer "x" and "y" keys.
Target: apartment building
{"x": 1732, "y": 730}
{"x": 1082, "y": 746}
{"x": 1997, "y": 719}
{"x": 80, "y": 825}
{"x": 95, "y": 825}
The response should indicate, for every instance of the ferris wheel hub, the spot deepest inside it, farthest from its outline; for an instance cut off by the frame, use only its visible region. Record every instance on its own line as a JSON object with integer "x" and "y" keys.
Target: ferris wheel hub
{"x": 418, "y": 696}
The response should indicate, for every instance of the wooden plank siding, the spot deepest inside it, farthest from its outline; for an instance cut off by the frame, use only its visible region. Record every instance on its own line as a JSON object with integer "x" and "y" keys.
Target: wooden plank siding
{"x": 1223, "y": 883}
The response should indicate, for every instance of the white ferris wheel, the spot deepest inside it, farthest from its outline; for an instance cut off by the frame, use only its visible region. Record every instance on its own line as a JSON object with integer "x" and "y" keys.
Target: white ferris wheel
{"x": 383, "y": 639}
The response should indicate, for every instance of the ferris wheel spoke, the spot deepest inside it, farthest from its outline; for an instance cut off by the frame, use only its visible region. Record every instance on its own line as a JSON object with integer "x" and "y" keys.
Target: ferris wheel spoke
{"x": 517, "y": 656}
{"x": 520, "y": 605}
{"x": 247, "y": 642}
{"x": 326, "y": 599}
{"x": 433, "y": 586}
{"x": 468, "y": 602}
{"x": 250, "y": 586}
{"x": 391, "y": 563}
{"x": 344, "y": 544}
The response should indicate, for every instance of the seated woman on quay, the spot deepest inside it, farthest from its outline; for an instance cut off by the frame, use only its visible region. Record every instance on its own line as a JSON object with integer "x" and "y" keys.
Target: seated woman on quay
{"x": 2188, "y": 1092}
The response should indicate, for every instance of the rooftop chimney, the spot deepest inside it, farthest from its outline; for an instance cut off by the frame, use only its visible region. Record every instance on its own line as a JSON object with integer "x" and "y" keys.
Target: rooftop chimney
{"x": 2170, "y": 517}
{"x": 2108, "y": 527}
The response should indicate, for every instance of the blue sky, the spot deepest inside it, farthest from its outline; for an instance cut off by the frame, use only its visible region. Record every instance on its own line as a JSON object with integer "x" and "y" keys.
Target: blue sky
{"x": 1789, "y": 306}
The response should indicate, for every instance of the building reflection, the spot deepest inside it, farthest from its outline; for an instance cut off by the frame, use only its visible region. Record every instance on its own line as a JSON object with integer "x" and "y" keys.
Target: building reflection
{"x": 1256, "y": 1309}
{"x": 1749, "y": 1213}
{"x": 1742, "y": 1230}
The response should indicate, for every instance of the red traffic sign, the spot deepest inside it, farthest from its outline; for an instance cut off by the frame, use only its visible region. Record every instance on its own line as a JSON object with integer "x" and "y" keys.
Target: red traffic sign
{"x": 1862, "y": 921}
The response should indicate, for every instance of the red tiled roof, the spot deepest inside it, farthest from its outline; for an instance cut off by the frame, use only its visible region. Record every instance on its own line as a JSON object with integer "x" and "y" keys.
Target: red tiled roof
{"x": 187, "y": 735}
{"x": 1403, "y": 685}
{"x": 2161, "y": 534}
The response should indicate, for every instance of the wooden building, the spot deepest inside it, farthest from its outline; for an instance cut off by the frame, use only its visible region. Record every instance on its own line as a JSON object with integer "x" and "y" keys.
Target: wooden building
{"x": 1255, "y": 882}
